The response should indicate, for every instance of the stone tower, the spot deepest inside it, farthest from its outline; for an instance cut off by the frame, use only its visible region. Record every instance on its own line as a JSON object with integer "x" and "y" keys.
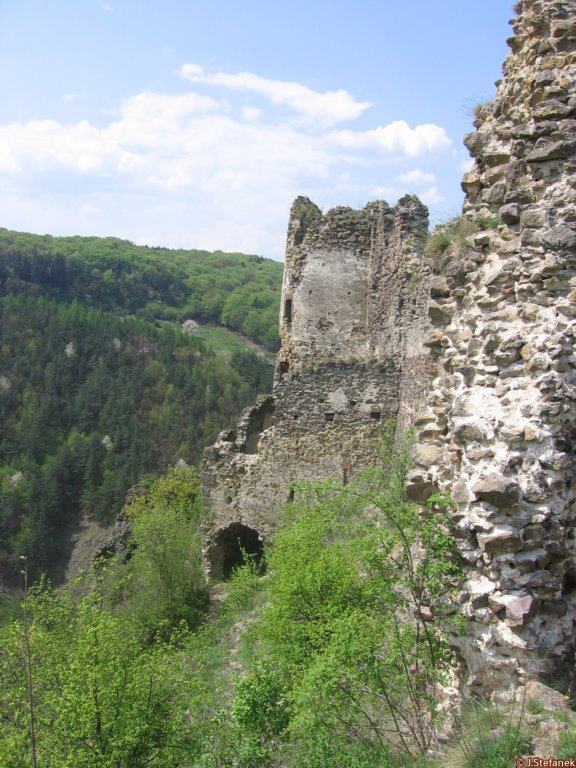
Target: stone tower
{"x": 352, "y": 322}
{"x": 501, "y": 419}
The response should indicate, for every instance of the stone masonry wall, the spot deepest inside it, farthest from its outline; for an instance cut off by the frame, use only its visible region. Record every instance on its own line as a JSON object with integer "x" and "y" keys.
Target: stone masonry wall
{"x": 499, "y": 429}
{"x": 353, "y": 315}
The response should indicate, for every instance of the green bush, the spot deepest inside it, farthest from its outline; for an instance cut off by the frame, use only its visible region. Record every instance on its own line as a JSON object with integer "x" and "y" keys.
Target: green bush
{"x": 438, "y": 242}
{"x": 348, "y": 628}
{"x": 452, "y": 236}
{"x": 94, "y": 697}
{"x": 242, "y": 588}
{"x": 498, "y": 751}
{"x": 349, "y": 631}
{"x": 164, "y": 581}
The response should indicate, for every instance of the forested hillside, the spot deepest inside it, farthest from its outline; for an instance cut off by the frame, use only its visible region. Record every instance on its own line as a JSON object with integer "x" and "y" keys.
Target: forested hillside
{"x": 99, "y": 386}
{"x": 232, "y": 289}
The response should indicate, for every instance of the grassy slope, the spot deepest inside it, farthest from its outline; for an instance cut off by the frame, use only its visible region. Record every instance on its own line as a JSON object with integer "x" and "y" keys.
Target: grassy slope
{"x": 225, "y": 342}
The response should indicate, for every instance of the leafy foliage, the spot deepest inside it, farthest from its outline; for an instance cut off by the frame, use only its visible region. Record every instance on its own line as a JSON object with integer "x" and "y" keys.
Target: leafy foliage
{"x": 567, "y": 745}
{"x": 346, "y": 664}
{"x": 498, "y": 751}
{"x": 163, "y": 582}
{"x": 100, "y": 699}
{"x": 352, "y": 640}
{"x": 451, "y": 237}
{"x": 231, "y": 289}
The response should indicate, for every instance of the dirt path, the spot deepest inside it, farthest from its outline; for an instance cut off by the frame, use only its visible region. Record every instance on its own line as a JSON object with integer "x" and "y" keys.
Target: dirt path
{"x": 232, "y": 637}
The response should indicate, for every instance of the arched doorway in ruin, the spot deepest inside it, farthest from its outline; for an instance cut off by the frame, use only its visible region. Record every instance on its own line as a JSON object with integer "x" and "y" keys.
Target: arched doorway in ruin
{"x": 229, "y": 547}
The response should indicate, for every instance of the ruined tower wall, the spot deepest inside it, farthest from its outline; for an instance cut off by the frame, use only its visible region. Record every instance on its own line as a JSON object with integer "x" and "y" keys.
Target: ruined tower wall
{"x": 500, "y": 424}
{"x": 400, "y": 287}
{"x": 353, "y": 309}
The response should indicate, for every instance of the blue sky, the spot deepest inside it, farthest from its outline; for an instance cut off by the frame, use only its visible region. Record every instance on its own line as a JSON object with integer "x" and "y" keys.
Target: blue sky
{"x": 195, "y": 123}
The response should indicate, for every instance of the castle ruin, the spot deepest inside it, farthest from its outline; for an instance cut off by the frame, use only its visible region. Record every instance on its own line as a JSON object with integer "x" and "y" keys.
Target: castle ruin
{"x": 352, "y": 325}
{"x": 479, "y": 356}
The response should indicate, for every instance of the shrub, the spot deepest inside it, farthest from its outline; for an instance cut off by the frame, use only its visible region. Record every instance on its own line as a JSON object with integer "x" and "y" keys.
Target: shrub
{"x": 165, "y": 581}
{"x": 351, "y": 628}
{"x": 481, "y": 110}
{"x": 451, "y": 237}
{"x": 98, "y": 698}
{"x": 498, "y": 751}
{"x": 492, "y": 737}
{"x": 243, "y": 586}
{"x": 438, "y": 241}
{"x": 260, "y": 707}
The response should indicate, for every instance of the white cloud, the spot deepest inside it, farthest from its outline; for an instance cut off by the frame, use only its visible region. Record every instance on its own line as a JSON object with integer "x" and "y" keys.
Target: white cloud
{"x": 466, "y": 165}
{"x": 395, "y": 137}
{"x": 72, "y": 96}
{"x": 251, "y": 114}
{"x": 327, "y": 108}
{"x": 388, "y": 193}
{"x": 417, "y": 178}
{"x": 44, "y": 145}
{"x": 178, "y": 140}
{"x": 8, "y": 161}
{"x": 105, "y": 6}
{"x": 187, "y": 169}
{"x": 393, "y": 193}
{"x": 432, "y": 196}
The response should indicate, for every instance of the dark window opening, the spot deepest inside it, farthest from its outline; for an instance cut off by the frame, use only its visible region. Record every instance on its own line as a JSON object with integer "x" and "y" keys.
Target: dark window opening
{"x": 569, "y": 582}
{"x": 260, "y": 419}
{"x": 352, "y": 403}
{"x": 291, "y": 494}
{"x": 375, "y": 415}
{"x": 283, "y": 367}
{"x": 231, "y": 547}
{"x": 288, "y": 311}
{"x": 329, "y": 416}
{"x": 252, "y": 442}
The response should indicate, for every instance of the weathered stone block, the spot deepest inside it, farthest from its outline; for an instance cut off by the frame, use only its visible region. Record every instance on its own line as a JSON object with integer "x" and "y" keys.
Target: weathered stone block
{"x": 502, "y": 538}
{"x": 560, "y": 238}
{"x": 555, "y": 150}
{"x": 519, "y": 608}
{"x": 419, "y": 487}
{"x": 510, "y": 213}
{"x": 497, "y": 490}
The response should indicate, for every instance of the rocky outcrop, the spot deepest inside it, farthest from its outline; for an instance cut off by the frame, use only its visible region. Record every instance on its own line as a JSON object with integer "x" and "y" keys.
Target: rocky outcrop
{"x": 92, "y": 541}
{"x": 352, "y": 323}
{"x": 500, "y": 421}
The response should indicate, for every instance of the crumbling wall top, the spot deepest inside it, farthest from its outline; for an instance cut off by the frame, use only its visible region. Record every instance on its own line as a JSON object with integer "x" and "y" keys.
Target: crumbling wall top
{"x": 334, "y": 265}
